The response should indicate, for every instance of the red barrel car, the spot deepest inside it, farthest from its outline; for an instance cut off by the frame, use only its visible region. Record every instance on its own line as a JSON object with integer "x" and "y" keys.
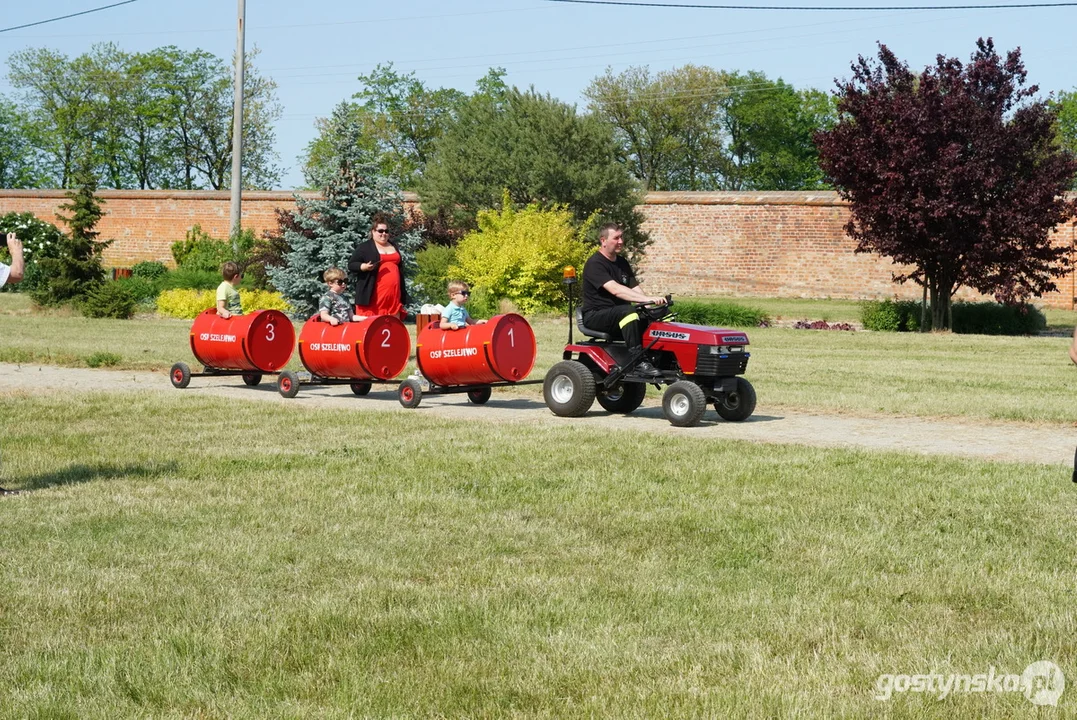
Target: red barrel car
{"x": 473, "y": 359}
{"x": 247, "y": 345}
{"x": 353, "y": 353}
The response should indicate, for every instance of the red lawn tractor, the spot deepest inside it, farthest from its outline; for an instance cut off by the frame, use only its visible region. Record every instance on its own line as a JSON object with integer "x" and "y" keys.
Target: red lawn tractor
{"x": 701, "y": 365}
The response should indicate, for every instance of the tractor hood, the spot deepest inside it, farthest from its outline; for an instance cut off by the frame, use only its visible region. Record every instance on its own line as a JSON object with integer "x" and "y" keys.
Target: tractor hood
{"x": 693, "y": 334}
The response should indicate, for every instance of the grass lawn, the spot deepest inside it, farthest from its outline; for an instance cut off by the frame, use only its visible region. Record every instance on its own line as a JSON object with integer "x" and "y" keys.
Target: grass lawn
{"x": 976, "y": 376}
{"x": 183, "y": 556}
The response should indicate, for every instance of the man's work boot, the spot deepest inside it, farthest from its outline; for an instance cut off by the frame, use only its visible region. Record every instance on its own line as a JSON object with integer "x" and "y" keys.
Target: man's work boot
{"x": 645, "y": 368}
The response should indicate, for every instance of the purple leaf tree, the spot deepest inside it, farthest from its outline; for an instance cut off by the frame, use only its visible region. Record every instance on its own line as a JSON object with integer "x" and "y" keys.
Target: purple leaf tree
{"x": 954, "y": 171}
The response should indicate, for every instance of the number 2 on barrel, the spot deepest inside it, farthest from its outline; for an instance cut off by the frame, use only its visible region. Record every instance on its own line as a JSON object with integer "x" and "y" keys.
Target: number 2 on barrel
{"x": 385, "y": 342}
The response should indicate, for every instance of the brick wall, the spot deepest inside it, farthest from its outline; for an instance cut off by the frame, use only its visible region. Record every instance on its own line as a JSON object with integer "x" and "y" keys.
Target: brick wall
{"x": 764, "y": 244}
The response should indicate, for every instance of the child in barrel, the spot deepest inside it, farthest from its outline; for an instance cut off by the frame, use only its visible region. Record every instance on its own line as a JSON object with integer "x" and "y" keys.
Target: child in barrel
{"x": 455, "y": 315}
{"x": 227, "y": 296}
{"x": 334, "y": 308}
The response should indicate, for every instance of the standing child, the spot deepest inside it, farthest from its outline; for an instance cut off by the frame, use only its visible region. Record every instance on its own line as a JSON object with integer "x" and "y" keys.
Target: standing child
{"x": 455, "y": 315}
{"x": 227, "y": 296}
{"x": 334, "y": 308}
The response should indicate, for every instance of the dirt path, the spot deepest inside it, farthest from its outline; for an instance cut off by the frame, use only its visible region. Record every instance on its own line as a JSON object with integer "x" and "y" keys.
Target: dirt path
{"x": 1047, "y": 444}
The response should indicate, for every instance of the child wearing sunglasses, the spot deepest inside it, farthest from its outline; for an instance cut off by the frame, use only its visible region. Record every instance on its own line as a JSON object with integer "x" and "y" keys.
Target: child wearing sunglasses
{"x": 455, "y": 315}
{"x": 334, "y": 308}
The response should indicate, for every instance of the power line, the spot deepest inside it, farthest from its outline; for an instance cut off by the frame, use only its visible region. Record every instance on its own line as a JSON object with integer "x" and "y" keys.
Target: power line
{"x": 816, "y": 8}
{"x": 65, "y": 17}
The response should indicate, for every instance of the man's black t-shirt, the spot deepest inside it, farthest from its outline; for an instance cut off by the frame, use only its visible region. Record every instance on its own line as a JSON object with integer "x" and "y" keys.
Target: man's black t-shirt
{"x": 597, "y": 271}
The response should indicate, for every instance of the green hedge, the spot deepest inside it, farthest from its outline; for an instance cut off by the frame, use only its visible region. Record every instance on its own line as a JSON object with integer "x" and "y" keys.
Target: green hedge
{"x": 970, "y": 318}
{"x": 723, "y": 314}
{"x": 891, "y": 316}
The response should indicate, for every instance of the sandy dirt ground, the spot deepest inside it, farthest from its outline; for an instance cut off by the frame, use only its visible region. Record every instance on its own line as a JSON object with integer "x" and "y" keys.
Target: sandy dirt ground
{"x": 1021, "y": 442}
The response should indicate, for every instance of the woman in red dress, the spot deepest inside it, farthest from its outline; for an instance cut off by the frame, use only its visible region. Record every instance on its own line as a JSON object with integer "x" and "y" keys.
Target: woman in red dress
{"x": 377, "y": 265}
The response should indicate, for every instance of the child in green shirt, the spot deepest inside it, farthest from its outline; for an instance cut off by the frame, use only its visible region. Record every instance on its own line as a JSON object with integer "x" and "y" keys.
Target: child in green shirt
{"x": 227, "y": 296}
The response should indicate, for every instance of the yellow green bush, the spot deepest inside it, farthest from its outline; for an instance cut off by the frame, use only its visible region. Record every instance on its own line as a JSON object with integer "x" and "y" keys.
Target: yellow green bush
{"x": 519, "y": 255}
{"x": 252, "y": 300}
{"x": 187, "y": 304}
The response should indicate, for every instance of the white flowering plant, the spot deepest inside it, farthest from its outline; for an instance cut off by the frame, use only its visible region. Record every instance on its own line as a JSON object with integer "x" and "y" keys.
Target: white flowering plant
{"x": 40, "y": 239}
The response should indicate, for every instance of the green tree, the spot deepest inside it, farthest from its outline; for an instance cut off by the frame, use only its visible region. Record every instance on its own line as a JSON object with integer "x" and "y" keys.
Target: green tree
{"x": 323, "y": 232}
{"x": 77, "y": 269}
{"x": 58, "y": 103}
{"x": 404, "y": 118}
{"x": 1065, "y": 108}
{"x": 539, "y": 150}
{"x": 666, "y": 125}
{"x": 769, "y": 129}
{"x": 697, "y": 128}
{"x": 18, "y": 159}
{"x": 156, "y": 119}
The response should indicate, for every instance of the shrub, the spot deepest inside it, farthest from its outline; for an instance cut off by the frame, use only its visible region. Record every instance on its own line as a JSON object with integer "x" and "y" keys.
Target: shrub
{"x": 149, "y": 270}
{"x": 433, "y": 276}
{"x": 109, "y": 300}
{"x": 188, "y": 303}
{"x": 252, "y": 300}
{"x": 189, "y": 279}
{"x": 103, "y": 359}
{"x": 199, "y": 251}
{"x": 719, "y": 314}
{"x": 519, "y": 255}
{"x": 40, "y": 240}
{"x": 970, "y": 318}
{"x": 891, "y": 315}
{"x": 988, "y": 318}
{"x": 185, "y": 303}
{"x": 141, "y": 289}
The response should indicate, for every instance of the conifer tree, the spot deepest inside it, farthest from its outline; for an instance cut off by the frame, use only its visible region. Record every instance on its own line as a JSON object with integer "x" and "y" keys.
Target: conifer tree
{"x": 323, "y": 232}
{"x": 77, "y": 269}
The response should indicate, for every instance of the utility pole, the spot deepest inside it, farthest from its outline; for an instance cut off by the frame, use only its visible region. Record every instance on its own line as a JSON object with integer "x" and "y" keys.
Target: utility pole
{"x": 237, "y": 132}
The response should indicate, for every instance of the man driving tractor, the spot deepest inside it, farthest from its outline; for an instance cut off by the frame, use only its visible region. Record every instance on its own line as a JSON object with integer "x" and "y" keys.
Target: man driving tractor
{"x": 610, "y": 292}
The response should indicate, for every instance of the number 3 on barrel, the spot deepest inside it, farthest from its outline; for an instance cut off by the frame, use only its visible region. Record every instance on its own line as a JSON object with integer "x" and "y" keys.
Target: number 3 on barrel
{"x": 270, "y": 335}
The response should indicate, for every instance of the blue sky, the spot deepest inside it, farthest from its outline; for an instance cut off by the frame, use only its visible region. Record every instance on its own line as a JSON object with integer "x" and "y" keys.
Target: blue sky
{"x": 315, "y": 49}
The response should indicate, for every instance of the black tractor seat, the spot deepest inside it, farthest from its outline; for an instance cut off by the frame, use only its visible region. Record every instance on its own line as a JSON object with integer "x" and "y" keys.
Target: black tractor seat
{"x": 584, "y": 330}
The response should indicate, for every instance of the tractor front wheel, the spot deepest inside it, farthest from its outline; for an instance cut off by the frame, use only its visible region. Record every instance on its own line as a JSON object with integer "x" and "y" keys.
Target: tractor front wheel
{"x": 684, "y": 403}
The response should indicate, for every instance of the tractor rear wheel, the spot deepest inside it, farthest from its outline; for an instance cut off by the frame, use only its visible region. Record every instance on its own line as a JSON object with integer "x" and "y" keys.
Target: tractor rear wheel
{"x": 569, "y": 389}
{"x": 737, "y": 405}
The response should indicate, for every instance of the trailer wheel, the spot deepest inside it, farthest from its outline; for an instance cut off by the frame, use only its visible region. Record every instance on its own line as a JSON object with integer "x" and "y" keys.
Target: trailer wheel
{"x": 180, "y": 375}
{"x": 738, "y": 405}
{"x": 479, "y": 397}
{"x": 252, "y": 379}
{"x": 684, "y": 403}
{"x": 288, "y": 384}
{"x": 410, "y": 393}
{"x": 569, "y": 389}
{"x": 360, "y": 388}
{"x": 622, "y": 398}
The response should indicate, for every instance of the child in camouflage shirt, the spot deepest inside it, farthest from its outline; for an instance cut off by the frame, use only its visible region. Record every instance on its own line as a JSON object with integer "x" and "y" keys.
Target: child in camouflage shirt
{"x": 334, "y": 308}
